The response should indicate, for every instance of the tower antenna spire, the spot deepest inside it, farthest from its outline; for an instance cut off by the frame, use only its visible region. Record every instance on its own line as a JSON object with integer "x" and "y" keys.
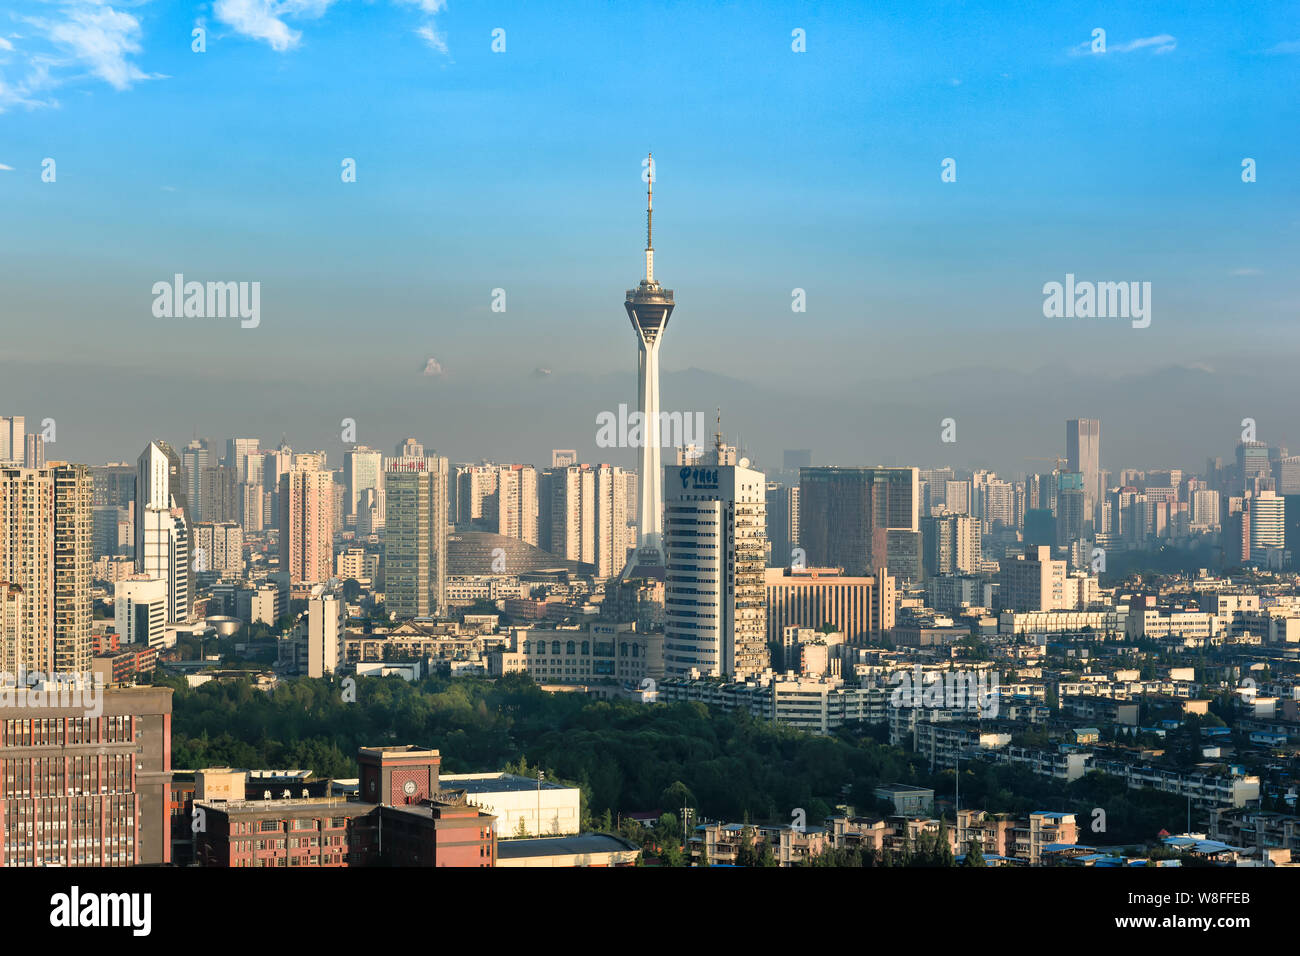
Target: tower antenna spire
{"x": 649, "y": 217}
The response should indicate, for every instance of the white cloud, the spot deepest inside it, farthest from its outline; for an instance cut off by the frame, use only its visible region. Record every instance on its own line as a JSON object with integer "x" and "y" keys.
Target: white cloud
{"x": 7, "y": 169}
{"x": 263, "y": 19}
{"x": 432, "y": 368}
{"x": 1247, "y": 272}
{"x": 1287, "y": 46}
{"x": 5, "y": 44}
{"x": 100, "y": 38}
{"x": 1162, "y": 43}
{"x": 431, "y": 36}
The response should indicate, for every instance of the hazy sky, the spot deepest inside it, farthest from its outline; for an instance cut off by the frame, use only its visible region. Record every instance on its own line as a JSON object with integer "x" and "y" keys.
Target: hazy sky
{"x": 776, "y": 170}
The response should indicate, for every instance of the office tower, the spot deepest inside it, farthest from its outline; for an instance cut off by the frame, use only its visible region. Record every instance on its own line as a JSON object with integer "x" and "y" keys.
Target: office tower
{"x": 1083, "y": 457}
{"x": 1205, "y": 510}
{"x": 196, "y": 457}
{"x": 851, "y": 518}
{"x": 238, "y": 451}
{"x": 563, "y": 457}
{"x": 219, "y": 494}
{"x": 140, "y": 610}
{"x": 339, "y": 503}
{"x": 34, "y": 456}
{"x": 219, "y": 547}
{"x": 1267, "y": 525}
{"x": 164, "y": 526}
{"x": 715, "y": 617}
{"x": 363, "y": 469}
{"x": 96, "y": 795}
{"x": 1032, "y": 582}
{"x": 409, "y": 448}
{"x": 13, "y": 444}
{"x": 860, "y": 608}
{"x": 951, "y": 544}
{"x": 112, "y": 530}
{"x": 307, "y": 522}
{"x": 275, "y": 464}
{"x": 415, "y": 536}
{"x": 649, "y": 307}
{"x": 370, "y": 514}
{"x": 933, "y": 486}
{"x": 1286, "y": 475}
{"x": 73, "y": 556}
{"x": 782, "y": 523}
{"x": 1252, "y": 462}
{"x": 1071, "y": 508}
{"x": 114, "y": 484}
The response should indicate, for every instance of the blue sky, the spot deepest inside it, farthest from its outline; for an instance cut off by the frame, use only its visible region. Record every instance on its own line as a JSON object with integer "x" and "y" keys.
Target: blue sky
{"x": 776, "y": 170}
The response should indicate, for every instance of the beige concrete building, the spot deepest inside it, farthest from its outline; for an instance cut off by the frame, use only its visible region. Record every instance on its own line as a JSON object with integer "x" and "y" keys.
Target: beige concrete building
{"x": 307, "y": 523}
{"x": 861, "y": 608}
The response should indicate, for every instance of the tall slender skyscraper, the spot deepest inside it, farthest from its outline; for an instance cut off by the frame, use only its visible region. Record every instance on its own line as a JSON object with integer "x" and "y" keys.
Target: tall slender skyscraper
{"x": 415, "y": 536}
{"x": 649, "y": 307}
{"x": 1083, "y": 456}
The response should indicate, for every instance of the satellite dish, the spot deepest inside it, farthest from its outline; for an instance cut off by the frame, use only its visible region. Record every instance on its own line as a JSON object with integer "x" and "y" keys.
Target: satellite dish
{"x": 744, "y": 463}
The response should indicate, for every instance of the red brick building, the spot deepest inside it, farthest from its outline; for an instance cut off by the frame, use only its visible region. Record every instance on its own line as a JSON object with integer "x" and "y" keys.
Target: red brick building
{"x": 403, "y": 818}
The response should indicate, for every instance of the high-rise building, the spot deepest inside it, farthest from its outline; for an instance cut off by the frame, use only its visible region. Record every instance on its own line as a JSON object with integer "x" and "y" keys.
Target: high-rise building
{"x": 164, "y": 526}
{"x": 73, "y": 556}
{"x": 13, "y": 443}
{"x": 363, "y": 469}
{"x": 1033, "y": 582}
{"x": 238, "y": 451}
{"x": 860, "y": 608}
{"x": 1083, "y": 457}
{"x": 46, "y": 547}
{"x": 649, "y": 306}
{"x": 715, "y": 619}
{"x": 34, "y": 456}
{"x": 1267, "y": 525}
{"x": 219, "y": 495}
{"x": 195, "y": 458}
{"x": 782, "y": 523}
{"x": 513, "y": 509}
{"x": 307, "y": 523}
{"x": 415, "y": 536}
{"x": 78, "y": 791}
{"x": 861, "y": 519}
{"x": 563, "y": 457}
{"x": 951, "y": 544}
{"x": 140, "y": 610}
{"x": 409, "y": 448}
{"x": 1071, "y": 508}
{"x": 1252, "y": 462}
{"x": 586, "y": 511}
{"x": 219, "y": 547}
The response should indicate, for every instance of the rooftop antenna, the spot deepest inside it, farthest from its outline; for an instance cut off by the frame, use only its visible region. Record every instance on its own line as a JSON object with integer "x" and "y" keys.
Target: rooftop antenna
{"x": 717, "y": 436}
{"x": 649, "y": 218}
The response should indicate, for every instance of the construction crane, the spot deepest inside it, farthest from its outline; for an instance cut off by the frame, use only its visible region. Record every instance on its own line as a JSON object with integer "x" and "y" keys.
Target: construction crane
{"x": 1060, "y": 461}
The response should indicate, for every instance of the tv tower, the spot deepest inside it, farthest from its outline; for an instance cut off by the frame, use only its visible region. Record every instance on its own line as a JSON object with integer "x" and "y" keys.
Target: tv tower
{"x": 648, "y": 307}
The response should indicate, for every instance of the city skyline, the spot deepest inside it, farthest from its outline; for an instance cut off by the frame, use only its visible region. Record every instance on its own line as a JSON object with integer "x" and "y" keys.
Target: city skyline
{"x": 826, "y": 178}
